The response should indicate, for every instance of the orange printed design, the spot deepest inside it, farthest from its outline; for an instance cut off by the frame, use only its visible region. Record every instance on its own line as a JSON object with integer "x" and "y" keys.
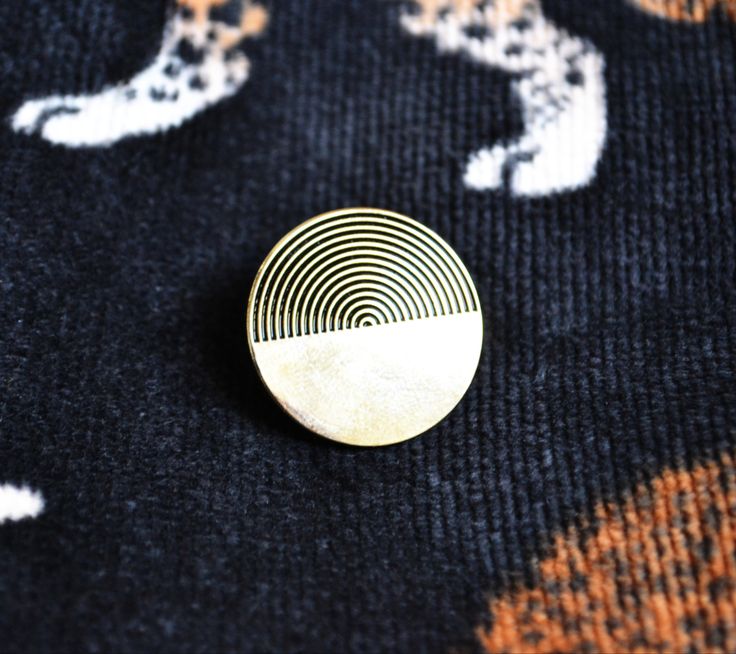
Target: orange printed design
{"x": 693, "y": 11}
{"x": 655, "y": 574}
{"x": 252, "y": 21}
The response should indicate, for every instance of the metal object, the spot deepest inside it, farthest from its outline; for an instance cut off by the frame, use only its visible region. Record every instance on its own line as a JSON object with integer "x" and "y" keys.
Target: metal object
{"x": 365, "y": 326}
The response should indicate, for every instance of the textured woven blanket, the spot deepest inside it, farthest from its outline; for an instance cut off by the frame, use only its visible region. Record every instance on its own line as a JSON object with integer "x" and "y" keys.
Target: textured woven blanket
{"x": 579, "y": 156}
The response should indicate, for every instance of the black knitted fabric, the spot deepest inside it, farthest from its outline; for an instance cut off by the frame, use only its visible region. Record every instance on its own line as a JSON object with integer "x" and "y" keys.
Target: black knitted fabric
{"x": 183, "y": 511}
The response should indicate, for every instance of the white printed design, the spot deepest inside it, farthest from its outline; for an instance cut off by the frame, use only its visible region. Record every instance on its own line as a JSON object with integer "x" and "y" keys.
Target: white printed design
{"x": 558, "y": 81}
{"x": 197, "y": 66}
{"x": 18, "y": 503}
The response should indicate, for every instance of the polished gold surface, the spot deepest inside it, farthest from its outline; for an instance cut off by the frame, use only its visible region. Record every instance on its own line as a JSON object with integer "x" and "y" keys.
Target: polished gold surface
{"x": 365, "y": 326}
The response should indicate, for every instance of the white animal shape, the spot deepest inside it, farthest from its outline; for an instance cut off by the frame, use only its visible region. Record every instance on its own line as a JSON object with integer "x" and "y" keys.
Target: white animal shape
{"x": 197, "y": 66}
{"x": 558, "y": 80}
{"x": 17, "y": 503}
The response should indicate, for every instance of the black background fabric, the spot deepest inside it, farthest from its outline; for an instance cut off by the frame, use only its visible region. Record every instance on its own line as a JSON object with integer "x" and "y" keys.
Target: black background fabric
{"x": 184, "y": 511}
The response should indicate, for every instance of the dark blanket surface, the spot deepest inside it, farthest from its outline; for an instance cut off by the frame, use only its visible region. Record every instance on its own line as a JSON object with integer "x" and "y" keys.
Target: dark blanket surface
{"x": 579, "y": 155}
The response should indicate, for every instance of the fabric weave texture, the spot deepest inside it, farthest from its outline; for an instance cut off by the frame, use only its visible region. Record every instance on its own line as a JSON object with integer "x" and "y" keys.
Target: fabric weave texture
{"x": 580, "y": 157}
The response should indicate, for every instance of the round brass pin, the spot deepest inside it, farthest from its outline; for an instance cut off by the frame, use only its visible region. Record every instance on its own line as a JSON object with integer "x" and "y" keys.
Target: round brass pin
{"x": 365, "y": 326}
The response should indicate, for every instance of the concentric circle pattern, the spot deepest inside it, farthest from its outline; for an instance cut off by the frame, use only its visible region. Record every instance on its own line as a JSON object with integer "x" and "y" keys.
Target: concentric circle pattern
{"x": 354, "y": 269}
{"x": 313, "y": 300}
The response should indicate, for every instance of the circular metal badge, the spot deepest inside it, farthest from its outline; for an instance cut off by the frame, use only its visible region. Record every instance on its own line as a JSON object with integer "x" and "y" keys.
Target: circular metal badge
{"x": 365, "y": 326}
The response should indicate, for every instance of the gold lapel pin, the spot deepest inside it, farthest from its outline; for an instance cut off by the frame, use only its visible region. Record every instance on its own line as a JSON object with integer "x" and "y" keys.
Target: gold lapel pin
{"x": 365, "y": 326}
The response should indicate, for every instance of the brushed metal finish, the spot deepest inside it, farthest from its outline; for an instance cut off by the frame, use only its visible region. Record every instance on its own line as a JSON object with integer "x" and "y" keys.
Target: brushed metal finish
{"x": 365, "y": 326}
